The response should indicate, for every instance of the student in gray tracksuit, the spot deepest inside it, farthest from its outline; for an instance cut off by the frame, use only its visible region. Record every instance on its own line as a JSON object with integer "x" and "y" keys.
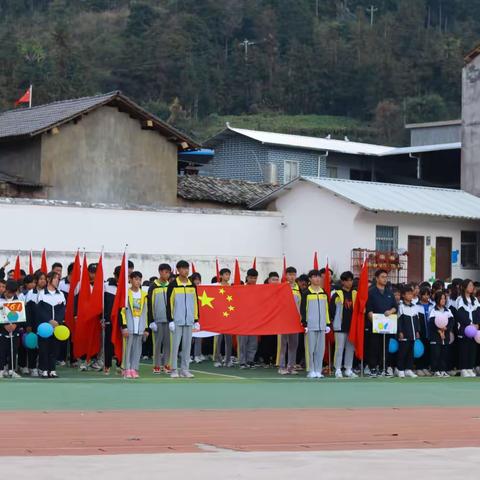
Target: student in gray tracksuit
{"x": 289, "y": 343}
{"x": 182, "y": 314}
{"x": 134, "y": 325}
{"x": 248, "y": 344}
{"x": 157, "y": 319}
{"x": 315, "y": 318}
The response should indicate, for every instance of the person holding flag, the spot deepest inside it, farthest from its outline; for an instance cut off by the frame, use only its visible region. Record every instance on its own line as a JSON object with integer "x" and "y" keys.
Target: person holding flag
{"x": 248, "y": 344}
{"x": 315, "y": 318}
{"x": 341, "y": 310}
{"x": 182, "y": 314}
{"x": 134, "y": 325}
{"x": 227, "y": 340}
{"x": 289, "y": 342}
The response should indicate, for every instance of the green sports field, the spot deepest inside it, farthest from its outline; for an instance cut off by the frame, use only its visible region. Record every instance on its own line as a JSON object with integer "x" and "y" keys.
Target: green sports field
{"x": 231, "y": 388}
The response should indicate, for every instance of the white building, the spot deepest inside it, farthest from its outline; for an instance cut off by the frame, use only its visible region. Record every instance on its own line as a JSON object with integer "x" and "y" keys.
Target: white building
{"x": 439, "y": 228}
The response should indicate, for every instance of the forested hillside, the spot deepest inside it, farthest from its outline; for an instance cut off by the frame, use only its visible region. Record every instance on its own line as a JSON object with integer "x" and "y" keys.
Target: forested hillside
{"x": 192, "y": 61}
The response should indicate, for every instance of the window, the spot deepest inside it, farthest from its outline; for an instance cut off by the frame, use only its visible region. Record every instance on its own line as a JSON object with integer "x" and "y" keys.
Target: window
{"x": 290, "y": 170}
{"x": 470, "y": 255}
{"x": 386, "y": 239}
{"x": 332, "y": 172}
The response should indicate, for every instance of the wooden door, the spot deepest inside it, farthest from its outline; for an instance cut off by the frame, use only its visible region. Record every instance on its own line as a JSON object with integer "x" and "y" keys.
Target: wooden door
{"x": 415, "y": 258}
{"x": 443, "y": 258}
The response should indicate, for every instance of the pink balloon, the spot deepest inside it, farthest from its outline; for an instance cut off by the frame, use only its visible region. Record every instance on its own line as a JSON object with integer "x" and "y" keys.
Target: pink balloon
{"x": 441, "y": 321}
{"x": 477, "y": 337}
{"x": 470, "y": 331}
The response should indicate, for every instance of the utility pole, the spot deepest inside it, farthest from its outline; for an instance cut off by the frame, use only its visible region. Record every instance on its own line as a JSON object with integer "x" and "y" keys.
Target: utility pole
{"x": 245, "y": 44}
{"x": 371, "y": 9}
{"x": 316, "y": 7}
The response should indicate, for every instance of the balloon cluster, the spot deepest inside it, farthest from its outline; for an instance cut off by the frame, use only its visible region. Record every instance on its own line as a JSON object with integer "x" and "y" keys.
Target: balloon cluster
{"x": 45, "y": 330}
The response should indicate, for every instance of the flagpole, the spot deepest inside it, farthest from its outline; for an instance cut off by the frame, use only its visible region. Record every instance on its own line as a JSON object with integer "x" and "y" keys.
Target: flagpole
{"x": 30, "y": 97}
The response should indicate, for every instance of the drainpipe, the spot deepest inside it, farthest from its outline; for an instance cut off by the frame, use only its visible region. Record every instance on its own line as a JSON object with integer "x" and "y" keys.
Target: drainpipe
{"x": 419, "y": 165}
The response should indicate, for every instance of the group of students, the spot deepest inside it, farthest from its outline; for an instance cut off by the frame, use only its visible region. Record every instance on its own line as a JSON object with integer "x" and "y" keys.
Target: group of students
{"x": 163, "y": 313}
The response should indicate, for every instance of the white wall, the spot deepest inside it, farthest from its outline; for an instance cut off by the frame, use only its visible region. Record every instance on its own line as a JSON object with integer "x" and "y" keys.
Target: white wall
{"x": 318, "y": 220}
{"x": 152, "y": 236}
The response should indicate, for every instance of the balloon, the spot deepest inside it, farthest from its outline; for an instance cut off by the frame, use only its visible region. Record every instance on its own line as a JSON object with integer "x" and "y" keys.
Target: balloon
{"x": 470, "y": 331}
{"x": 477, "y": 337}
{"x": 30, "y": 340}
{"x": 418, "y": 349}
{"x": 327, "y": 329}
{"x": 45, "y": 330}
{"x": 61, "y": 333}
{"x": 393, "y": 346}
{"x": 441, "y": 321}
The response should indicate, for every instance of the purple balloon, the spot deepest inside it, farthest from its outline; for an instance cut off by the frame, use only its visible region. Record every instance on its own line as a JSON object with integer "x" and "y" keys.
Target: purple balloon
{"x": 470, "y": 331}
{"x": 477, "y": 337}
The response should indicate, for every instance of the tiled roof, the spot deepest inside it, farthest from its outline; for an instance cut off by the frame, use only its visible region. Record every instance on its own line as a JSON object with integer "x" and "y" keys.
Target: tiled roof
{"x": 22, "y": 122}
{"x": 219, "y": 190}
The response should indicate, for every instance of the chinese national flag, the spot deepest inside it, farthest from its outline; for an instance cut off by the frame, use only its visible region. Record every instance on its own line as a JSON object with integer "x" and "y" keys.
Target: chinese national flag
{"x": 69, "y": 310}
{"x": 119, "y": 302}
{"x": 357, "y": 328}
{"x": 254, "y": 264}
{"x": 194, "y": 270}
{"x": 217, "y": 268}
{"x": 44, "y": 266}
{"x": 30, "y": 265}
{"x": 16, "y": 272}
{"x": 248, "y": 310}
{"x": 327, "y": 286}
{"x": 315, "y": 261}
{"x": 237, "y": 279}
{"x": 81, "y": 330}
{"x": 25, "y": 98}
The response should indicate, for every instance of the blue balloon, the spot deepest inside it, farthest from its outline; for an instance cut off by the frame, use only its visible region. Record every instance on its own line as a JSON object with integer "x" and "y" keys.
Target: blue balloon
{"x": 418, "y": 348}
{"x": 45, "y": 330}
{"x": 30, "y": 340}
{"x": 393, "y": 345}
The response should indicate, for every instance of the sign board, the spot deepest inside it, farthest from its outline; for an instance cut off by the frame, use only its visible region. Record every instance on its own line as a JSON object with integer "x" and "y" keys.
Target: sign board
{"x": 12, "y": 312}
{"x": 384, "y": 325}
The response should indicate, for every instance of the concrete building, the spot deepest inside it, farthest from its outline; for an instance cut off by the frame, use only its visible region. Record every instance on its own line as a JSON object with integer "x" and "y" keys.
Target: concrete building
{"x": 414, "y": 232}
{"x": 104, "y": 148}
{"x": 435, "y": 133}
{"x": 470, "y": 178}
{"x": 279, "y": 158}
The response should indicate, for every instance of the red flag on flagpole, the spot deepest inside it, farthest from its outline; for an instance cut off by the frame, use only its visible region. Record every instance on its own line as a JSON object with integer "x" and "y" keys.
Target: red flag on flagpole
{"x": 25, "y": 98}
{"x": 237, "y": 279}
{"x": 94, "y": 313}
{"x": 357, "y": 328}
{"x": 70, "y": 307}
{"x": 44, "y": 266}
{"x": 330, "y": 336}
{"x": 254, "y": 265}
{"x": 81, "y": 329}
{"x": 327, "y": 284}
{"x": 315, "y": 261}
{"x": 16, "y": 272}
{"x": 194, "y": 270}
{"x": 30, "y": 265}
{"x": 284, "y": 271}
{"x": 217, "y": 269}
{"x": 119, "y": 302}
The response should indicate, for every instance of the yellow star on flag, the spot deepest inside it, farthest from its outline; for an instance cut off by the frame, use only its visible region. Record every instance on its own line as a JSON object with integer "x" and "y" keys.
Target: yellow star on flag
{"x": 231, "y": 308}
{"x": 205, "y": 300}
{"x": 222, "y": 291}
{"x": 229, "y": 298}
{"x": 226, "y": 314}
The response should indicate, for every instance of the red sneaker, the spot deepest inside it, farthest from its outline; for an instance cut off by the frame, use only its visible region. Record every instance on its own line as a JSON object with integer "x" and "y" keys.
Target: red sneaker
{"x": 157, "y": 370}
{"x": 167, "y": 369}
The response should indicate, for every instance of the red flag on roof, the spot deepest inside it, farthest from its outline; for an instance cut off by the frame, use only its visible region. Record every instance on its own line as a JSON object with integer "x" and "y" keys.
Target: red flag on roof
{"x": 237, "y": 279}
{"x": 25, "y": 98}
{"x": 119, "y": 302}
{"x": 70, "y": 307}
{"x": 16, "y": 272}
{"x": 357, "y": 328}
{"x": 44, "y": 266}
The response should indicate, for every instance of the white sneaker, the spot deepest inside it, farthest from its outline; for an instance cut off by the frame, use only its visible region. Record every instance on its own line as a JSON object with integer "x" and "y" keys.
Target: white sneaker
{"x": 472, "y": 373}
{"x": 319, "y": 374}
{"x": 395, "y": 372}
{"x": 420, "y": 373}
{"x": 389, "y": 372}
{"x": 203, "y": 358}
{"x": 2, "y": 375}
{"x": 197, "y": 360}
{"x": 25, "y": 371}
{"x": 83, "y": 367}
{"x": 96, "y": 365}
{"x": 53, "y": 374}
{"x": 217, "y": 364}
{"x": 312, "y": 374}
{"x": 44, "y": 374}
{"x": 34, "y": 372}
{"x": 445, "y": 374}
{"x": 477, "y": 370}
{"x": 187, "y": 374}
{"x": 350, "y": 374}
{"x": 410, "y": 373}
{"x": 401, "y": 374}
{"x": 464, "y": 373}
{"x": 438, "y": 374}
{"x": 13, "y": 374}
{"x": 282, "y": 371}
{"x": 366, "y": 371}
{"x": 338, "y": 373}
{"x": 229, "y": 364}
{"x": 174, "y": 374}
{"x": 427, "y": 372}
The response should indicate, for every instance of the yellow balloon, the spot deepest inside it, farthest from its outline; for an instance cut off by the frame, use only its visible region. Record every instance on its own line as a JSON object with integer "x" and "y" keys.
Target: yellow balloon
{"x": 61, "y": 333}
